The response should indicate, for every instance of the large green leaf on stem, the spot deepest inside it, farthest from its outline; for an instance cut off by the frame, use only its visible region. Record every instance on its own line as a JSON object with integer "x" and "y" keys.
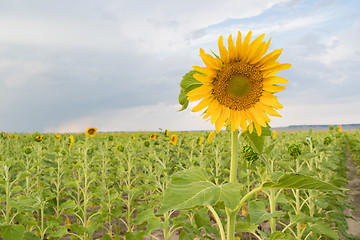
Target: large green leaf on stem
{"x": 324, "y": 229}
{"x": 281, "y": 236}
{"x": 258, "y": 213}
{"x": 257, "y": 142}
{"x": 296, "y": 181}
{"x": 192, "y": 187}
{"x": 187, "y": 84}
{"x": 12, "y": 232}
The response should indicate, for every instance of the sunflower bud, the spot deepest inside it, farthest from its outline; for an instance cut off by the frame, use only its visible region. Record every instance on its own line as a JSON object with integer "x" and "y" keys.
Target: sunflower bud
{"x": 294, "y": 150}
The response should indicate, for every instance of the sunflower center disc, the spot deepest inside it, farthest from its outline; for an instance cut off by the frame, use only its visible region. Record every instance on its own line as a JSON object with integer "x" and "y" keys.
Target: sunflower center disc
{"x": 239, "y": 85}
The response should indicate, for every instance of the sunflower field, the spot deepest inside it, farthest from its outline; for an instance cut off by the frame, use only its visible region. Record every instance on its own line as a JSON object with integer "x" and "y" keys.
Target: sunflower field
{"x": 174, "y": 185}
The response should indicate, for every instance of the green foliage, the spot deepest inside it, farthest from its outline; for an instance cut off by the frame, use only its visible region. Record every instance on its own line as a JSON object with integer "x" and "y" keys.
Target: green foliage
{"x": 249, "y": 154}
{"x": 167, "y": 187}
{"x": 257, "y": 142}
{"x": 192, "y": 188}
{"x": 187, "y": 84}
{"x": 294, "y": 150}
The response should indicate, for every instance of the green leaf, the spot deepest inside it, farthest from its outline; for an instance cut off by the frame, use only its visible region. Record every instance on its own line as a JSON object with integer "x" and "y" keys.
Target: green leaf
{"x": 324, "y": 229}
{"x": 59, "y": 233}
{"x": 281, "y": 236}
{"x": 258, "y": 213}
{"x": 12, "y": 232}
{"x": 257, "y": 142}
{"x": 295, "y": 181}
{"x": 30, "y": 236}
{"x": 69, "y": 204}
{"x": 183, "y": 100}
{"x": 187, "y": 84}
{"x": 245, "y": 226}
{"x": 144, "y": 215}
{"x": 188, "y": 189}
{"x": 269, "y": 148}
{"x": 230, "y": 194}
{"x": 136, "y": 235}
{"x": 192, "y": 187}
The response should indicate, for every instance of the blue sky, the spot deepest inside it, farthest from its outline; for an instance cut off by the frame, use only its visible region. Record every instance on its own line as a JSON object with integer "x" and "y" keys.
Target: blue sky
{"x": 117, "y": 65}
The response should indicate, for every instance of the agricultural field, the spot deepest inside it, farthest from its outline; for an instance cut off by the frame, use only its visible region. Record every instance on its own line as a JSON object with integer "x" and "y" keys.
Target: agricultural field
{"x": 174, "y": 185}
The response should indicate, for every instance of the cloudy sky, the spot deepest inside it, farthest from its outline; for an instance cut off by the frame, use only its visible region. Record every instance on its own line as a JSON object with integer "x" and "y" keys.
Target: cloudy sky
{"x": 117, "y": 64}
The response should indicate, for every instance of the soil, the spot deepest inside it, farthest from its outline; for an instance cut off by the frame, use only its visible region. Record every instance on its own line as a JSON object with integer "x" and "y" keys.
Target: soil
{"x": 354, "y": 196}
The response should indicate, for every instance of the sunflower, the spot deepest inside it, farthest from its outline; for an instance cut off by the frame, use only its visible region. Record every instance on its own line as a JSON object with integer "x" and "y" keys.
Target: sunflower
{"x": 237, "y": 87}
{"x": 173, "y": 139}
{"x": 39, "y": 138}
{"x": 211, "y": 135}
{"x": 274, "y": 133}
{"x": 71, "y": 140}
{"x": 91, "y": 131}
{"x": 166, "y": 133}
{"x": 58, "y": 137}
{"x": 153, "y": 136}
{"x": 338, "y": 128}
{"x": 200, "y": 141}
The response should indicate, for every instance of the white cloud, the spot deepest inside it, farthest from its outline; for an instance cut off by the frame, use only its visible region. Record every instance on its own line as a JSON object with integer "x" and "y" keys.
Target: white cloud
{"x": 153, "y": 26}
{"x": 342, "y": 47}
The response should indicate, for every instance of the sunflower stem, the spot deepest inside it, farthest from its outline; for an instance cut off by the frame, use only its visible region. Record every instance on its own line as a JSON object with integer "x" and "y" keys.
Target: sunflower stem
{"x": 231, "y": 215}
{"x": 234, "y": 151}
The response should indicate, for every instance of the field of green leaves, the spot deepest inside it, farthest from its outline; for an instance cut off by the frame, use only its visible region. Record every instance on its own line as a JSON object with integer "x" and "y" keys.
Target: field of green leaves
{"x": 165, "y": 185}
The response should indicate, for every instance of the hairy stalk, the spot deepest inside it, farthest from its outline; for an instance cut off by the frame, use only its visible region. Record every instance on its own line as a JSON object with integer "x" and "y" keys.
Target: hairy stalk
{"x": 231, "y": 215}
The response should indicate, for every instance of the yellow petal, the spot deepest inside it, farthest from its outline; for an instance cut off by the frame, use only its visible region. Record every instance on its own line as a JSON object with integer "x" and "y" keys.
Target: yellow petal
{"x": 203, "y": 104}
{"x": 257, "y": 116}
{"x": 67, "y": 222}
{"x": 207, "y": 71}
{"x": 270, "y": 57}
{"x": 274, "y": 80}
{"x": 274, "y": 70}
{"x": 245, "y": 44}
{"x": 270, "y": 100}
{"x": 210, "y": 109}
{"x": 256, "y": 55}
{"x": 224, "y": 55}
{"x": 202, "y": 78}
{"x": 273, "y": 88}
{"x": 225, "y": 114}
{"x": 232, "y": 49}
{"x": 250, "y": 120}
{"x": 258, "y": 129}
{"x": 238, "y": 45}
{"x": 269, "y": 110}
{"x": 243, "y": 123}
{"x": 205, "y": 88}
{"x": 254, "y": 46}
{"x": 251, "y": 127}
{"x": 210, "y": 61}
{"x": 215, "y": 113}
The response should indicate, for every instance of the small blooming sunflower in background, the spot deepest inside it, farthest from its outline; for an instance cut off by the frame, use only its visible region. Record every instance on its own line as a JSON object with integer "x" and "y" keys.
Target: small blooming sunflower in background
{"x": 166, "y": 133}
{"x": 200, "y": 141}
{"x": 153, "y": 136}
{"x": 210, "y": 136}
{"x": 58, "y": 137}
{"x": 71, "y": 140}
{"x": 274, "y": 133}
{"x": 238, "y": 87}
{"x": 39, "y": 138}
{"x": 91, "y": 131}
{"x": 338, "y": 128}
{"x": 173, "y": 139}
